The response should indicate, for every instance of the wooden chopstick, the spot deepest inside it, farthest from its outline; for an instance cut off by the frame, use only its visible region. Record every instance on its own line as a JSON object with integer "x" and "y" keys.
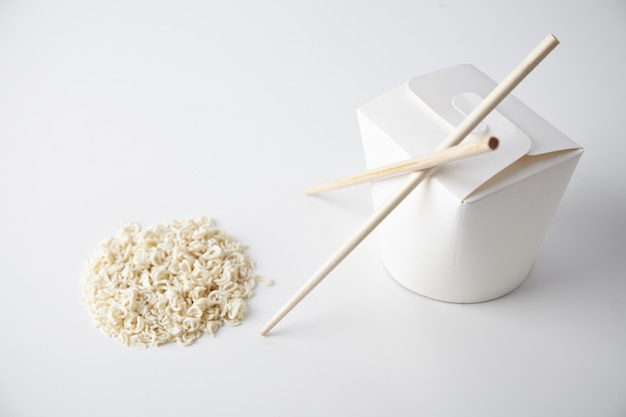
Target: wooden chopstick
{"x": 418, "y": 163}
{"x": 415, "y": 178}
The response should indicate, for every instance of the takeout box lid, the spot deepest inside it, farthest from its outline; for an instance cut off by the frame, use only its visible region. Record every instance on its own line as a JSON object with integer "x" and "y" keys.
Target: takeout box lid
{"x": 421, "y": 113}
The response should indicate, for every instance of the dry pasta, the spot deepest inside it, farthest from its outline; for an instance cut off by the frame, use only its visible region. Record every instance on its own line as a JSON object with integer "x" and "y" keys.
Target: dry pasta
{"x": 168, "y": 283}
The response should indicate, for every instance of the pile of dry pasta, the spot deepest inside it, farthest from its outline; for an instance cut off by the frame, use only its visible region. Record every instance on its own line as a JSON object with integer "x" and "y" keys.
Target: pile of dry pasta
{"x": 168, "y": 283}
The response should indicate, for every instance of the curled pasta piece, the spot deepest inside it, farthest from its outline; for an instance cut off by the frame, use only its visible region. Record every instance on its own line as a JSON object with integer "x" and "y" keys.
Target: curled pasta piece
{"x": 194, "y": 311}
{"x": 159, "y": 273}
{"x": 236, "y": 309}
{"x": 264, "y": 280}
{"x": 175, "y": 329}
{"x": 213, "y": 252}
{"x": 116, "y": 313}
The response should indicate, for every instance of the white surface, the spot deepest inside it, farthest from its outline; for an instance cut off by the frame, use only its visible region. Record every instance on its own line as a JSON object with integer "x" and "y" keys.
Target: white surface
{"x": 149, "y": 111}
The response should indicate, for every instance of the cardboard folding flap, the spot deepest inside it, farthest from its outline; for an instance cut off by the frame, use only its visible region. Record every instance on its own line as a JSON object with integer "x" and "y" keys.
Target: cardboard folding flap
{"x": 471, "y": 232}
{"x": 419, "y": 114}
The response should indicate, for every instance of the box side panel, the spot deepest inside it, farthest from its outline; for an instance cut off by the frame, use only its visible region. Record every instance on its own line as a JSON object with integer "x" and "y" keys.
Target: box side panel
{"x": 418, "y": 239}
{"x": 378, "y": 148}
{"x": 502, "y": 233}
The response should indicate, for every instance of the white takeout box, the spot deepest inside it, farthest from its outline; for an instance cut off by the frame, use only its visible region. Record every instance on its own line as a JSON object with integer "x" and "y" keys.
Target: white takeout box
{"x": 471, "y": 232}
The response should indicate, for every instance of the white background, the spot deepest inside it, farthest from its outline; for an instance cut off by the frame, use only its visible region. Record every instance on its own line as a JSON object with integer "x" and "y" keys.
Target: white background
{"x": 150, "y": 111}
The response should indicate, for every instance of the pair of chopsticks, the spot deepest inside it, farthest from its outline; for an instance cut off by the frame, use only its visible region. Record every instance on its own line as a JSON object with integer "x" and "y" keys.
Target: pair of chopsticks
{"x": 415, "y": 178}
